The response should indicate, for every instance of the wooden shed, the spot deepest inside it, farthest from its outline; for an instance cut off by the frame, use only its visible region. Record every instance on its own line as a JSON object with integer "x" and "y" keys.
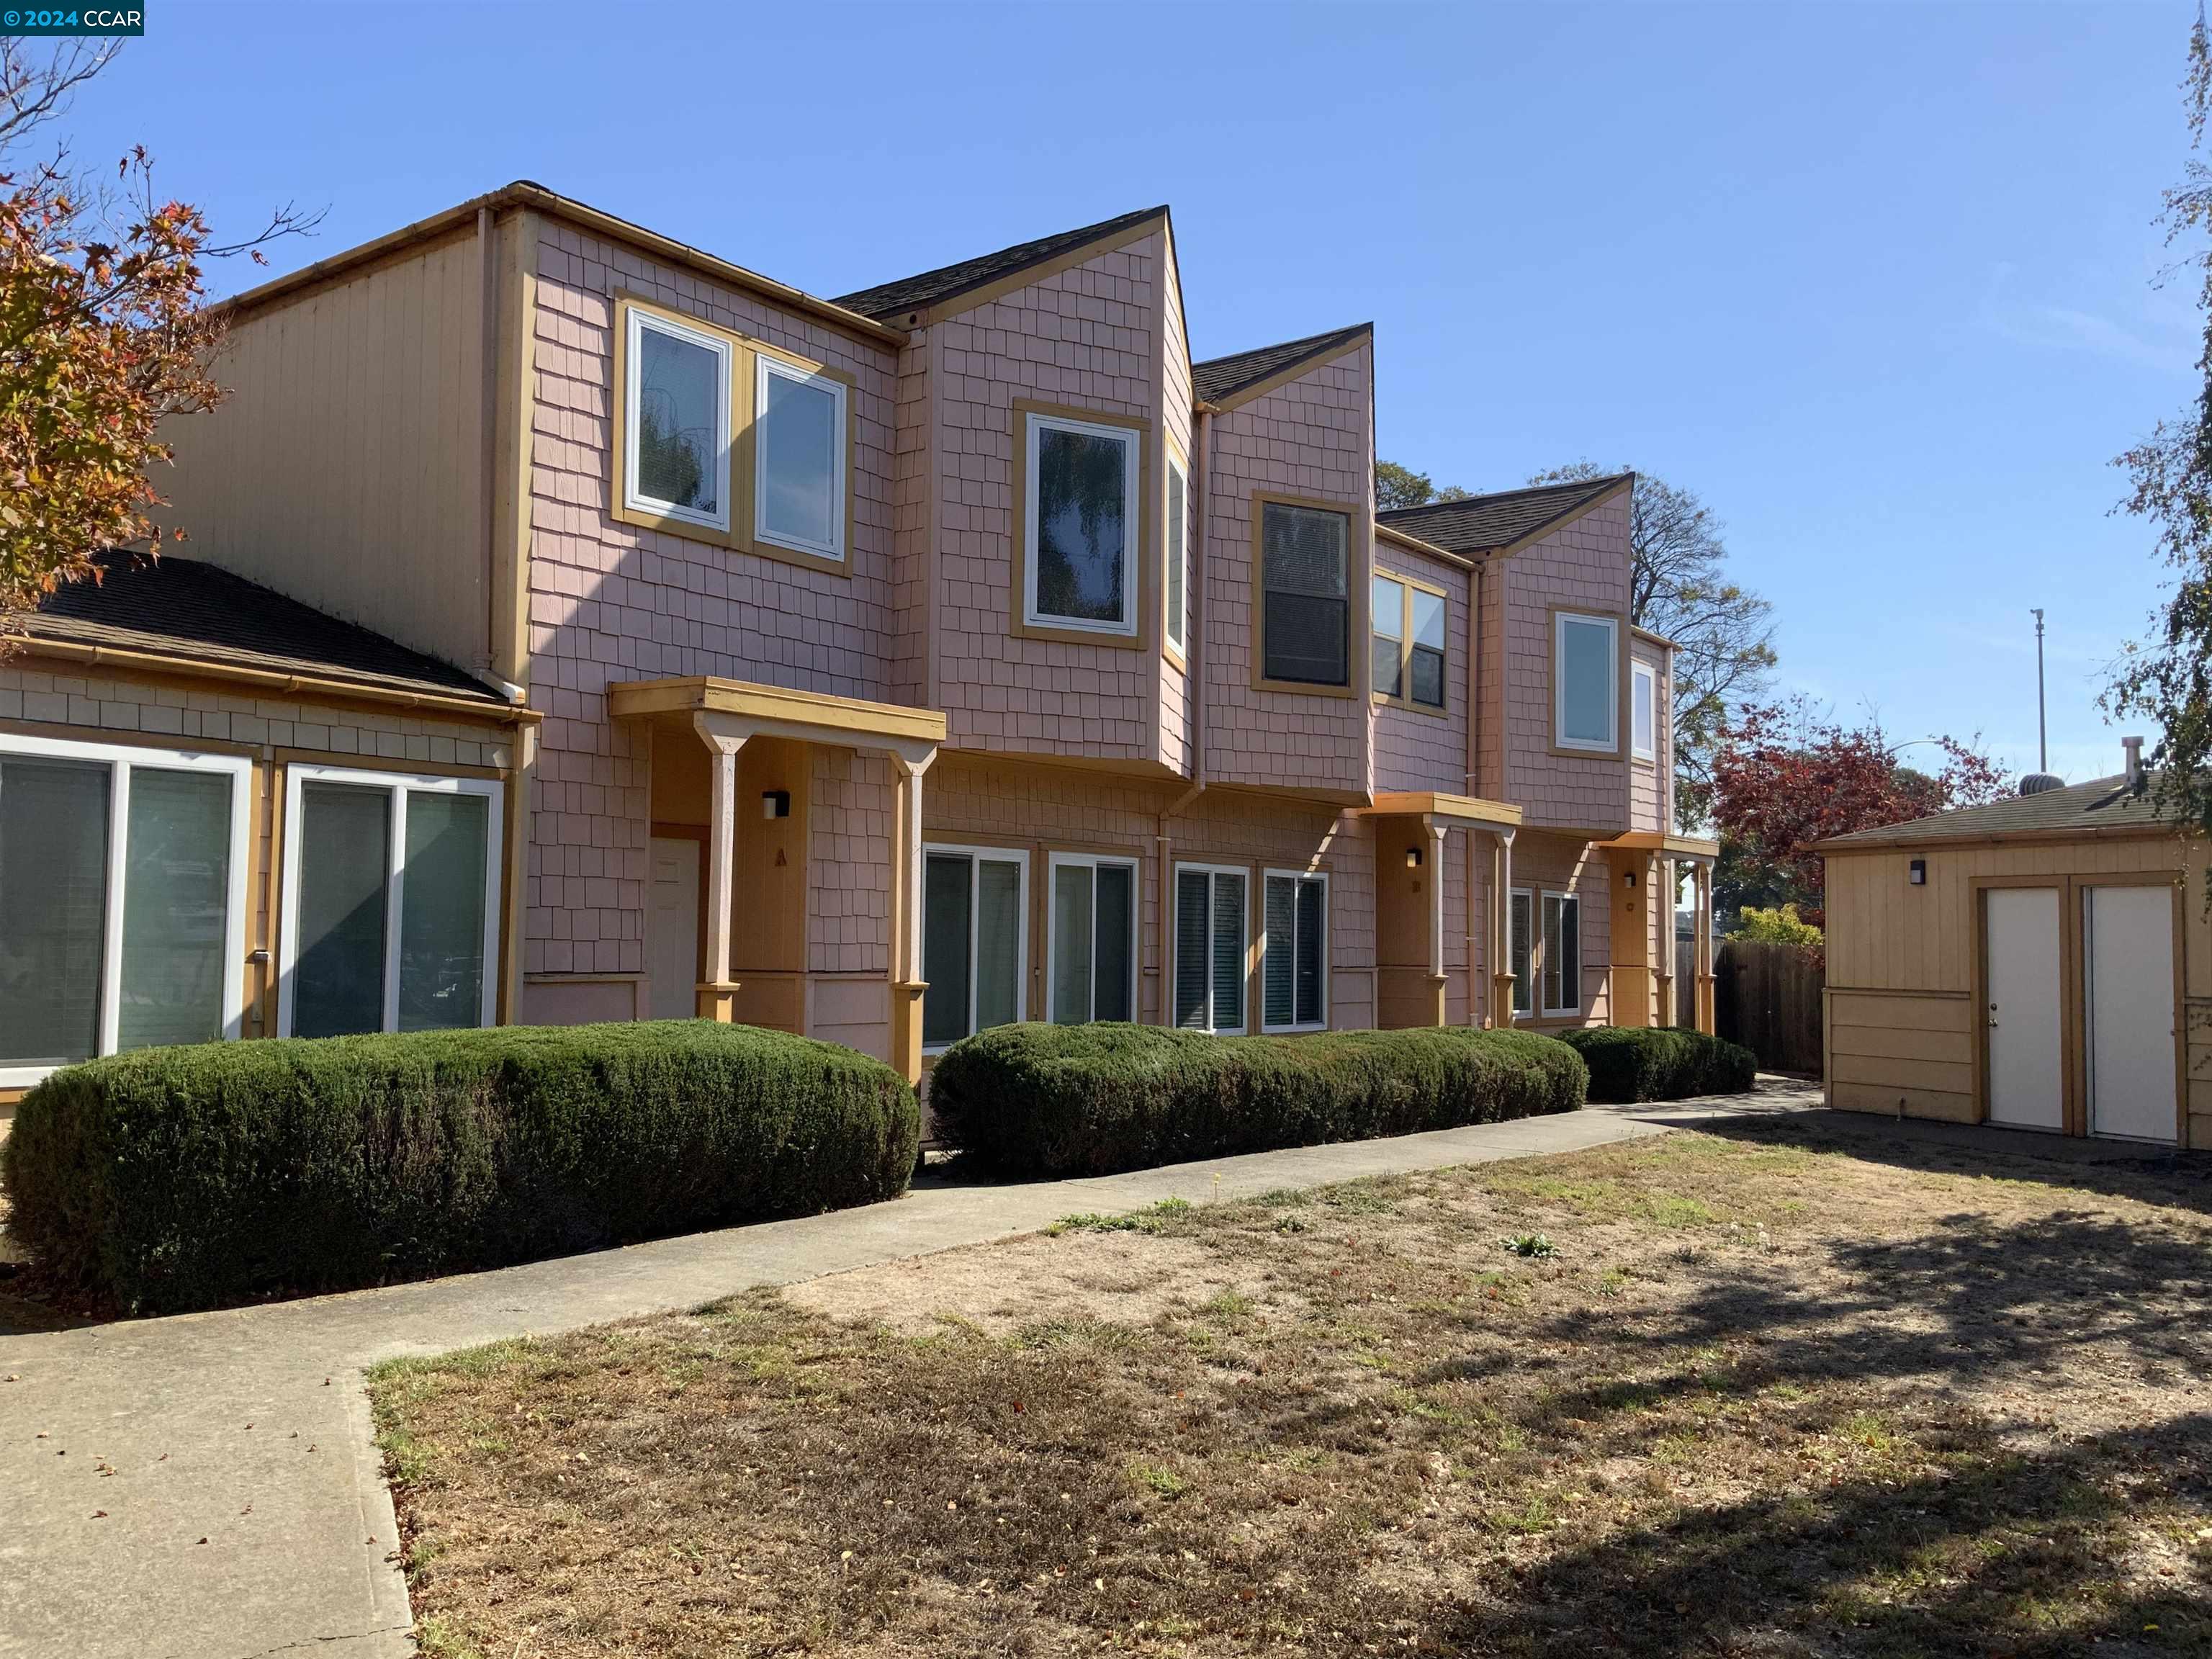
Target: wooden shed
{"x": 2043, "y": 963}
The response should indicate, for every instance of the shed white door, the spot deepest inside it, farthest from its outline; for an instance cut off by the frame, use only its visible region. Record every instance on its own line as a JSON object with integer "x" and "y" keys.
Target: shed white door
{"x": 2128, "y": 986}
{"x": 675, "y": 939}
{"x": 2021, "y": 948}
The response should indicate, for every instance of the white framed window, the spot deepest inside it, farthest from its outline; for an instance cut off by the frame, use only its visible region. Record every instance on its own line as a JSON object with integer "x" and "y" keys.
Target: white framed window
{"x": 1563, "y": 954}
{"x": 798, "y": 457}
{"x": 1294, "y": 952}
{"x": 123, "y": 900}
{"x": 675, "y": 420}
{"x": 1079, "y": 525}
{"x": 1387, "y": 606}
{"x": 1425, "y": 663}
{"x": 1643, "y": 711}
{"x": 1210, "y": 947}
{"x": 975, "y": 941}
{"x": 1522, "y": 918}
{"x": 391, "y": 915}
{"x": 1305, "y": 617}
{"x": 1090, "y": 939}
{"x": 1586, "y": 682}
{"x": 1178, "y": 559}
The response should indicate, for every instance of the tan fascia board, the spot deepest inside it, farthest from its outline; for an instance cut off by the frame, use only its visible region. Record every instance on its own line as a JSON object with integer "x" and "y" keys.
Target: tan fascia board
{"x": 1653, "y": 840}
{"x": 1650, "y": 638}
{"x": 704, "y": 694}
{"x": 1459, "y": 809}
{"x": 1444, "y": 555}
{"x": 524, "y": 194}
{"x": 1009, "y": 281}
{"x": 268, "y": 679}
{"x": 1297, "y": 369}
{"x": 1831, "y": 850}
{"x": 1182, "y": 307}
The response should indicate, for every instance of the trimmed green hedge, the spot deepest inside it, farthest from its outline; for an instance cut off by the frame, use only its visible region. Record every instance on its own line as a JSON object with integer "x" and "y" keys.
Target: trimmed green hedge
{"x": 176, "y": 1178}
{"x": 1062, "y": 1100}
{"x": 1632, "y": 1063}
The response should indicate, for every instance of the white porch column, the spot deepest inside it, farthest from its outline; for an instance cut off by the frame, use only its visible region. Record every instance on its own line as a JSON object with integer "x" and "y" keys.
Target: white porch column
{"x": 1501, "y": 933}
{"x": 1436, "y": 831}
{"x": 908, "y": 763}
{"x": 715, "y": 992}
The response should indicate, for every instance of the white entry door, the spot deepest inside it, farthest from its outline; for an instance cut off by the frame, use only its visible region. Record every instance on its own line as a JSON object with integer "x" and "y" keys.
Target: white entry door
{"x": 2021, "y": 948}
{"x": 2127, "y": 987}
{"x": 674, "y": 940}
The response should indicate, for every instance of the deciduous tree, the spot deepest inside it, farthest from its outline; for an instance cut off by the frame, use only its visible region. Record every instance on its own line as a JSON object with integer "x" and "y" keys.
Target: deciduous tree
{"x": 1401, "y": 486}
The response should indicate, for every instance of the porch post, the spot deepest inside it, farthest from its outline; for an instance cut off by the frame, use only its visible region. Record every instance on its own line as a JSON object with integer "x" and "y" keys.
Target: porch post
{"x": 717, "y": 993}
{"x": 1438, "y": 980}
{"x": 1501, "y": 932}
{"x": 907, "y": 982}
{"x": 1666, "y": 962}
{"x": 1703, "y": 924}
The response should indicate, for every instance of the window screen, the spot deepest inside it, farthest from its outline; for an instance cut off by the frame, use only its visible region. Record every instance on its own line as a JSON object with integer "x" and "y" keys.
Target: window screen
{"x": 345, "y": 853}
{"x": 1210, "y": 949}
{"x": 1306, "y": 617}
{"x": 1523, "y": 924}
{"x": 1563, "y": 954}
{"x": 441, "y": 911}
{"x": 1425, "y": 666}
{"x": 1388, "y": 607}
{"x": 801, "y": 493}
{"x": 1112, "y": 985}
{"x": 176, "y": 908}
{"x": 53, "y": 908}
{"x": 970, "y": 944}
{"x": 1228, "y": 952}
{"x": 1072, "y": 963}
{"x": 1295, "y": 957}
{"x": 1082, "y": 541}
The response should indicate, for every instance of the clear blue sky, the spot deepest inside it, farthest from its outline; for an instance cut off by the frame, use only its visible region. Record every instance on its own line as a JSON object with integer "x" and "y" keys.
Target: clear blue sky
{"x": 1875, "y": 281}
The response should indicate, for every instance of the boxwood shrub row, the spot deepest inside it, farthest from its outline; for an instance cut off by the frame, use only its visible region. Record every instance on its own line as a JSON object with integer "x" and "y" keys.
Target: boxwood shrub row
{"x": 1629, "y": 1064}
{"x": 176, "y": 1178}
{"x": 1066, "y": 1100}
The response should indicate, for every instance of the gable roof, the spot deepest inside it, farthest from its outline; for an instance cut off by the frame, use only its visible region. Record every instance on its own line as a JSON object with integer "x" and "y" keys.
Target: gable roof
{"x": 931, "y": 287}
{"x": 183, "y": 608}
{"x": 1218, "y": 379}
{"x": 2102, "y": 804}
{"x": 1507, "y": 518}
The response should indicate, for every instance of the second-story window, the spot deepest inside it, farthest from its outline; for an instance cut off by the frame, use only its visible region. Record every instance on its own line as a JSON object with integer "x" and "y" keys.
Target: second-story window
{"x": 1409, "y": 642}
{"x": 798, "y": 461}
{"x": 1425, "y": 666}
{"x": 677, "y": 420}
{"x": 1178, "y": 559}
{"x": 1080, "y": 525}
{"x": 1388, "y": 606}
{"x": 1305, "y": 621}
{"x": 1586, "y": 682}
{"x": 1644, "y": 713}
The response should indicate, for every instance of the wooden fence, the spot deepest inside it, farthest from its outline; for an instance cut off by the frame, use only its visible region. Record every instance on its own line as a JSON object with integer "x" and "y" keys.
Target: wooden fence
{"x": 1767, "y": 997}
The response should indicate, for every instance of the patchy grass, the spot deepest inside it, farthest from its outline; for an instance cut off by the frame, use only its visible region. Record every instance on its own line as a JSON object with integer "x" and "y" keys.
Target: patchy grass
{"x": 1768, "y": 1398}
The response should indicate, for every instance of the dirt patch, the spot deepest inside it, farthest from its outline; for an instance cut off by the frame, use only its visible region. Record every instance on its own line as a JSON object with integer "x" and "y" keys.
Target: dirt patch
{"x": 1753, "y": 1395}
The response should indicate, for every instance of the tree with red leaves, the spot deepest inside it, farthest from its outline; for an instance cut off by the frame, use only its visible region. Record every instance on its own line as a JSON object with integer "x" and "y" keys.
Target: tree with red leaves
{"x": 104, "y": 333}
{"x": 1786, "y": 777}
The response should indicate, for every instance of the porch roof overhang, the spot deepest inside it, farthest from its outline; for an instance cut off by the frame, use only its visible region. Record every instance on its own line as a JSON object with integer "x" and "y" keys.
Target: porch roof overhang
{"x": 1470, "y": 810}
{"x": 1673, "y": 846}
{"x": 775, "y": 711}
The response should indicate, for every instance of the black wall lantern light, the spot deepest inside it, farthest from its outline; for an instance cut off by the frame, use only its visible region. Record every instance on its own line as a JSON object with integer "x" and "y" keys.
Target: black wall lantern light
{"x": 775, "y": 803}
{"x": 1917, "y": 873}
{"x": 1413, "y": 858}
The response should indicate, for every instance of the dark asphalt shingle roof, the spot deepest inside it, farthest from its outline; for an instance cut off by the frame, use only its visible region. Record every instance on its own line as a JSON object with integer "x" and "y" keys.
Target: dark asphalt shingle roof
{"x": 1219, "y": 378}
{"x": 912, "y": 292}
{"x": 2102, "y": 803}
{"x": 1482, "y": 523}
{"x": 186, "y": 608}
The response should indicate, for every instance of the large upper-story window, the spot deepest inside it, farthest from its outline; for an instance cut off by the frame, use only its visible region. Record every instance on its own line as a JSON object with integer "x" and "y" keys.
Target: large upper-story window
{"x": 1178, "y": 556}
{"x": 1408, "y": 624}
{"x": 1586, "y": 682}
{"x": 391, "y": 903}
{"x": 799, "y": 459}
{"x": 974, "y": 941}
{"x": 1305, "y": 611}
{"x": 675, "y": 423}
{"x": 1079, "y": 516}
{"x": 123, "y": 900}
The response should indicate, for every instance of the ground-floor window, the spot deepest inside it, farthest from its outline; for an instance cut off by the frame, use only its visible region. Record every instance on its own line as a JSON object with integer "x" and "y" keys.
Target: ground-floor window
{"x": 1523, "y": 946}
{"x": 1563, "y": 954}
{"x": 1294, "y": 963}
{"x": 123, "y": 876}
{"x": 1210, "y": 935}
{"x": 1092, "y": 944}
{"x": 974, "y": 949}
{"x": 391, "y": 903}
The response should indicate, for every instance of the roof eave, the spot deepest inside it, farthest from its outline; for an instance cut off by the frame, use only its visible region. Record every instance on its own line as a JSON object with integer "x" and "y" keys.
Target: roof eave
{"x": 1326, "y": 348}
{"x": 984, "y": 289}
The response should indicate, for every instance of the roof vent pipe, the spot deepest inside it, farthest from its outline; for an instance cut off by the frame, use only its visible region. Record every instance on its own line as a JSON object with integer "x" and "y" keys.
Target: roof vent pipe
{"x": 2133, "y": 748}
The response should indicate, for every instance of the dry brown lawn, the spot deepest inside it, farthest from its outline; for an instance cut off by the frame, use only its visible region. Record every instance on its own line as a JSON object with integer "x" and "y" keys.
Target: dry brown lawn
{"x": 1768, "y": 1394}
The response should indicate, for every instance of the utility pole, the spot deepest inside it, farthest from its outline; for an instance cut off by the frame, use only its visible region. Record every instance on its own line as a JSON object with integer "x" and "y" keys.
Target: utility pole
{"x": 2042, "y": 747}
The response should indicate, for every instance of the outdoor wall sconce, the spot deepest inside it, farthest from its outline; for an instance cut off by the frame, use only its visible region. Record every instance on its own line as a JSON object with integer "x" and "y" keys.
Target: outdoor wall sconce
{"x": 1413, "y": 858}
{"x": 1917, "y": 874}
{"x": 775, "y": 803}
{"x": 1628, "y": 878}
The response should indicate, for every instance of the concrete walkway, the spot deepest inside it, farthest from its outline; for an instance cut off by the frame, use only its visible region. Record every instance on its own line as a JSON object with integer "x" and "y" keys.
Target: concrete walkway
{"x": 206, "y": 1486}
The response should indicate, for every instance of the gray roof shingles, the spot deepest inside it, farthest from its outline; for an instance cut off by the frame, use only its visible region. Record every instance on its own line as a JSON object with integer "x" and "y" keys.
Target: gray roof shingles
{"x": 1218, "y": 378}
{"x": 946, "y": 281}
{"x": 2100, "y": 804}
{"x": 190, "y": 609}
{"x": 1481, "y": 524}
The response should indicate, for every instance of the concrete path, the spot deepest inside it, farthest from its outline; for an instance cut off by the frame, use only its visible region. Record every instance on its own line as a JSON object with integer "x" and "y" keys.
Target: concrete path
{"x": 206, "y": 1486}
